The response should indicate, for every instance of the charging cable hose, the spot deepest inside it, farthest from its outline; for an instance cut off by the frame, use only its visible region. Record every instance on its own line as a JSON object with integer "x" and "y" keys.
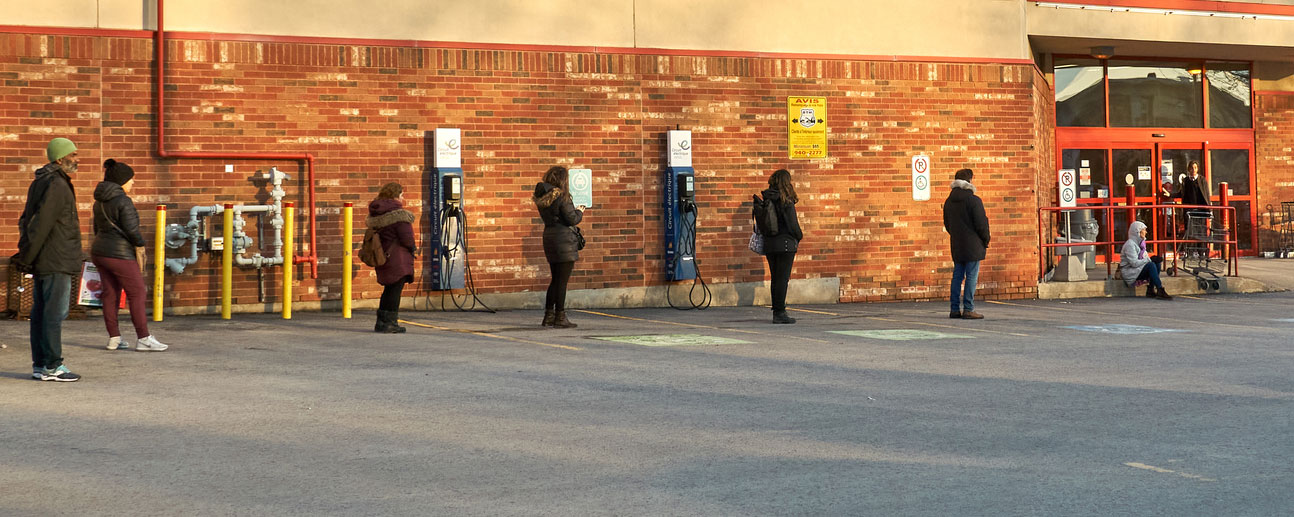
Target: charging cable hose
{"x": 699, "y": 295}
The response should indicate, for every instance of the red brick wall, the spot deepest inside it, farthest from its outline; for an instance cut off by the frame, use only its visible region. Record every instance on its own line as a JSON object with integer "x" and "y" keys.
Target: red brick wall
{"x": 1274, "y": 150}
{"x": 364, "y": 111}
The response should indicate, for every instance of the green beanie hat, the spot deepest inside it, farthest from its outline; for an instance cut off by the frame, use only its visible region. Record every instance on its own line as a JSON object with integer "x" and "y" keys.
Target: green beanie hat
{"x": 58, "y": 148}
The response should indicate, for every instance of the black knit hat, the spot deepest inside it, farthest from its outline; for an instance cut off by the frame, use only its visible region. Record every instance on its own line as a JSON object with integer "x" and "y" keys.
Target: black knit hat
{"x": 117, "y": 172}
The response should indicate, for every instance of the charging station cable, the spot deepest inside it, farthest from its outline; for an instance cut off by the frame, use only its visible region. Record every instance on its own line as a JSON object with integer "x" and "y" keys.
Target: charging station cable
{"x": 459, "y": 219}
{"x": 687, "y": 248}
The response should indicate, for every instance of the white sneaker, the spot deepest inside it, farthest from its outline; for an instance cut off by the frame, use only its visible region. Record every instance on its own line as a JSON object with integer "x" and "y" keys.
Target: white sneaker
{"x": 115, "y": 343}
{"x": 149, "y": 344}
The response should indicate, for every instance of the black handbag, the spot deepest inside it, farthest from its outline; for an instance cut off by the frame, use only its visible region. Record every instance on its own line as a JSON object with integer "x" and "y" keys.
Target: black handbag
{"x": 579, "y": 238}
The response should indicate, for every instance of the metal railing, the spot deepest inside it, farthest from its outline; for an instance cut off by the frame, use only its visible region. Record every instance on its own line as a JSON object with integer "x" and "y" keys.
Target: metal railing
{"x": 1160, "y": 212}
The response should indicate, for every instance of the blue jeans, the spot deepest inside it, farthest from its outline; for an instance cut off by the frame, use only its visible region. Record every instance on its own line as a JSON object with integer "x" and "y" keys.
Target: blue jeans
{"x": 1151, "y": 273}
{"x": 49, "y": 306}
{"x": 968, "y": 271}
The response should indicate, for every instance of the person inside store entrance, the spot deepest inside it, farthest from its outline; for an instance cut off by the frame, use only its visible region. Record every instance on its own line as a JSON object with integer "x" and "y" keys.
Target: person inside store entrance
{"x": 1137, "y": 267}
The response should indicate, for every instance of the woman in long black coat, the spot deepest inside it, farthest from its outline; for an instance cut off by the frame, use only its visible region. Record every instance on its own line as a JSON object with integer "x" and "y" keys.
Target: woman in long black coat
{"x": 780, "y": 249}
{"x": 561, "y": 244}
{"x": 394, "y": 226}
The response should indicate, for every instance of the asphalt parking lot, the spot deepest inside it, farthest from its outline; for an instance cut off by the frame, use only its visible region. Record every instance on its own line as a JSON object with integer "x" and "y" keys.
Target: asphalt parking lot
{"x": 1085, "y": 407}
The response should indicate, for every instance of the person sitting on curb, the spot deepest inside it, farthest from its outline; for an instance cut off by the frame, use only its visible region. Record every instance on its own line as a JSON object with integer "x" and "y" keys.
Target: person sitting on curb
{"x": 1136, "y": 267}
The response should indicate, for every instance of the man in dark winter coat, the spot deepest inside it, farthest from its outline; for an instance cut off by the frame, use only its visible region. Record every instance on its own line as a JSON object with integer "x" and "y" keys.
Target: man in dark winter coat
{"x": 49, "y": 246}
{"x": 967, "y": 228}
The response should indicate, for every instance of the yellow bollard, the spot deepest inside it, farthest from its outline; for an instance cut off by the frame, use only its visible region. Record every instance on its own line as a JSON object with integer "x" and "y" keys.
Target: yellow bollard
{"x": 289, "y": 250}
{"x": 347, "y": 234}
{"x": 159, "y": 259}
{"x": 227, "y": 264}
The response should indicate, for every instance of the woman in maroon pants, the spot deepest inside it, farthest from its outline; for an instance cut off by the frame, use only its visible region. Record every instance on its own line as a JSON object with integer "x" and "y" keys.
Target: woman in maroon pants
{"x": 118, "y": 252}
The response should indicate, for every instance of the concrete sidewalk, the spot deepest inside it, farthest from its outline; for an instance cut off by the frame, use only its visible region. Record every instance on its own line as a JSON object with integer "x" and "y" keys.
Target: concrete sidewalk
{"x": 1257, "y": 275}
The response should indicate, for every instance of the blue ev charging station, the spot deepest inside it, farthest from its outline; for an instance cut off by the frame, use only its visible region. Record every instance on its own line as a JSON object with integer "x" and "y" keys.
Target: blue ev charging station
{"x": 448, "y": 254}
{"x": 680, "y": 208}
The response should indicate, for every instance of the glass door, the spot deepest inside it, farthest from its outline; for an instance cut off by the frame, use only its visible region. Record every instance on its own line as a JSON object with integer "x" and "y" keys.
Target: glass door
{"x": 1232, "y": 164}
{"x": 1174, "y": 160}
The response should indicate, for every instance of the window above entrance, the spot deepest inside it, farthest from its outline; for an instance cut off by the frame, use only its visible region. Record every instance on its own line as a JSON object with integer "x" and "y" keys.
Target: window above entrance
{"x": 1152, "y": 93}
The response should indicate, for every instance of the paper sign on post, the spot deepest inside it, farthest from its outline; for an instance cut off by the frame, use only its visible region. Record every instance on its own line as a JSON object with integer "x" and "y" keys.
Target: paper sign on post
{"x": 921, "y": 177}
{"x": 581, "y": 184}
{"x": 1068, "y": 193}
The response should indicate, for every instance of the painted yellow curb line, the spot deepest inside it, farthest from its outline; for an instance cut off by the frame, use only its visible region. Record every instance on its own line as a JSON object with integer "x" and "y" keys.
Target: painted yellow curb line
{"x": 487, "y": 334}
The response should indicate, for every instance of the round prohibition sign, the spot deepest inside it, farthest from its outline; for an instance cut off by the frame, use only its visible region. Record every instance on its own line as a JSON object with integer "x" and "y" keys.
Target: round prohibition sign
{"x": 1067, "y": 178}
{"x": 922, "y": 164}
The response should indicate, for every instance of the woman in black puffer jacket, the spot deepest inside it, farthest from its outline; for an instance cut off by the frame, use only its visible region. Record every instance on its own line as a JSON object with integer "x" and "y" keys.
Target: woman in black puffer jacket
{"x": 118, "y": 253}
{"x": 780, "y": 249}
{"x": 561, "y": 245}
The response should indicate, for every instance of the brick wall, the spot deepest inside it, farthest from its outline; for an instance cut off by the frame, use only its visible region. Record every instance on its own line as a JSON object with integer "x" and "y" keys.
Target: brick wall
{"x": 364, "y": 112}
{"x": 1274, "y": 148}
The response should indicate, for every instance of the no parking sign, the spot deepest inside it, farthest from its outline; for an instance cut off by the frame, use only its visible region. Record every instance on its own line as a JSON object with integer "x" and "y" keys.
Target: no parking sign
{"x": 921, "y": 177}
{"x": 1068, "y": 194}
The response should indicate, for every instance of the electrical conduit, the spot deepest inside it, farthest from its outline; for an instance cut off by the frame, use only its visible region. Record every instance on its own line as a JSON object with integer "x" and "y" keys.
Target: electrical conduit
{"x": 312, "y": 256}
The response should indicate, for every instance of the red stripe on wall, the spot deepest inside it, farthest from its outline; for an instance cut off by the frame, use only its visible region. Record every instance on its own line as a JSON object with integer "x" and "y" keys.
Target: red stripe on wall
{"x": 263, "y": 38}
{"x": 1194, "y": 5}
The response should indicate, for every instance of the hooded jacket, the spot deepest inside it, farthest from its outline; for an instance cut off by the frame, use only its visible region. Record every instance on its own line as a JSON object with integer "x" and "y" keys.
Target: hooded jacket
{"x": 966, "y": 223}
{"x": 789, "y": 234}
{"x": 116, "y": 223}
{"x": 559, "y": 215}
{"x": 49, "y": 230}
{"x": 1132, "y": 259}
{"x": 394, "y": 227}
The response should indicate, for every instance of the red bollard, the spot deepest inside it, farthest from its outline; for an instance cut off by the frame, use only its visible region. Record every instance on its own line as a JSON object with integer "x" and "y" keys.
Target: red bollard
{"x": 1224, "y": 198}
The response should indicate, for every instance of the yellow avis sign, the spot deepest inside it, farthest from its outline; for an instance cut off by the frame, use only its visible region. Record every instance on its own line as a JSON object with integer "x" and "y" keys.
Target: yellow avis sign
{"x": 806, "y": 134}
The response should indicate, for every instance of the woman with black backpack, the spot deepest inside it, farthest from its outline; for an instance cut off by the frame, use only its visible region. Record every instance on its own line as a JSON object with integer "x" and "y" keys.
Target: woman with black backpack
{"x": 780, "y": 246}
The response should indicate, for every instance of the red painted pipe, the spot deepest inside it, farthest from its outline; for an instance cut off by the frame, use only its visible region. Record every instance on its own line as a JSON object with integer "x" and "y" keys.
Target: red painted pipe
{"x": 160, "y": 46}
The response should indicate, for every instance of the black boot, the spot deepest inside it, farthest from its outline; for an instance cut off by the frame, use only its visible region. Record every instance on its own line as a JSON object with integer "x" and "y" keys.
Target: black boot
{"x": 781, "y": 317}
{"x": 550, "y": 316}
{"x": 387, "y": 323}
{"x": 395, "y": 322}
{"x": 1163, "y": 295}
{"x": 560, "y": 321}
{"x": 1150, "y": 291}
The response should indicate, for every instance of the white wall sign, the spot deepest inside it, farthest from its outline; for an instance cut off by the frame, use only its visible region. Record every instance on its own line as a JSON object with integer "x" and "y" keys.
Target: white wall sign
{"x": 680, "y": 149}
{"x": 449, "y": 148}
{"x": 1143, "y": 173}
{"x": 921, "y": 177}
{"x": 1068, "y": 193}
{"x": 580, "y": 181}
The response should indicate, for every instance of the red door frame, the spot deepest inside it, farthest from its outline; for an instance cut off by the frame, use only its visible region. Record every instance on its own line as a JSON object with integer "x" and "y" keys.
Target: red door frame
{"x": 1155, "y": 139}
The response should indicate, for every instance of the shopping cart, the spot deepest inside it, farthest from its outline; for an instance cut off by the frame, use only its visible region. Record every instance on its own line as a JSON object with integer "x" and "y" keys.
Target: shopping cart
{"x": 1197, "y": 255}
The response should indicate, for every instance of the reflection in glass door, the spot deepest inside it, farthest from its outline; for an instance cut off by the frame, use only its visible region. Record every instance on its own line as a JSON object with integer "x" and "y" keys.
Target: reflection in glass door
{"x": 1131, "y": 167}
{"x": 1233, "y": 167}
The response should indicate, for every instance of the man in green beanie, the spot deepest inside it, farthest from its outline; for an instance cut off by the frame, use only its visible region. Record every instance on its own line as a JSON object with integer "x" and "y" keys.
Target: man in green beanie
{"x": 49, "y": 247}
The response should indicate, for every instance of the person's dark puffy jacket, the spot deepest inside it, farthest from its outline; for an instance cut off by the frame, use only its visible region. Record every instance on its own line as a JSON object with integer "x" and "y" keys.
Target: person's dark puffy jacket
{"x": 394, "y": 226}
{"x": 49, "y": 234}
{"x": 559, "y": 215}
{"x": 789, "y": 234}
{"x": 116, "y": 223}
{"x": 966, "y": 223}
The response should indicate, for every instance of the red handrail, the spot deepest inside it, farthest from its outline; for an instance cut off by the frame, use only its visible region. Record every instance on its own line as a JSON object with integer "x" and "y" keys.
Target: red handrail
{"x": 1228, "y": 220}
{"x": 160, "y": 46}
